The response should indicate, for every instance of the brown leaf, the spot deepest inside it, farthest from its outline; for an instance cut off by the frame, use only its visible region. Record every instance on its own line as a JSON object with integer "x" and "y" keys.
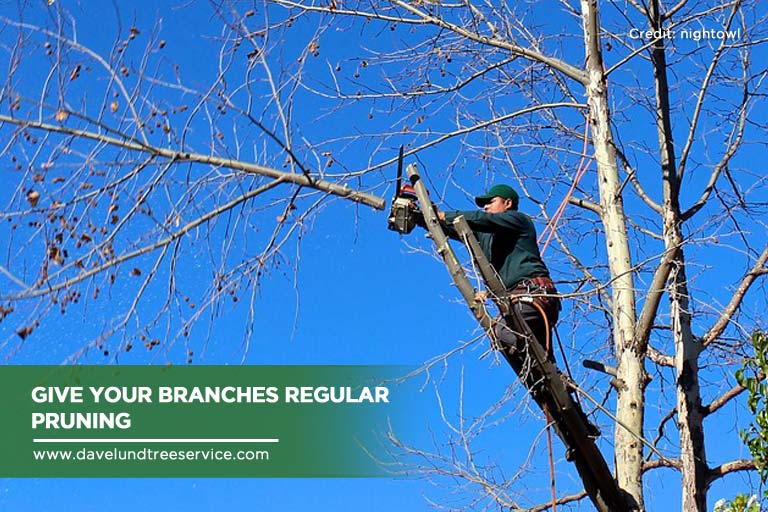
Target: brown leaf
{"x": 25, "y": 331}
{"x": 314, "y": 48}
{"x": 114, "y": 106}
{"x": 135, "y": 272}
{"x": 33, "y": 197}
{"x": 61, "y": 116}
{"x": 75, "y": 72}
{"x": 4, "y": 312}
{"x": 54, "y": 253}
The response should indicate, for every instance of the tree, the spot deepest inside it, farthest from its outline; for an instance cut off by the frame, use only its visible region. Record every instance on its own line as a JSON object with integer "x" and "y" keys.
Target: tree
{"x": 533, "y": 93}
{"x": 752, "y": 377}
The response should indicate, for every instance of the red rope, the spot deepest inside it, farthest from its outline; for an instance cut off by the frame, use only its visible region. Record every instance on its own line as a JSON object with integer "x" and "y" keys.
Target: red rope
{"x": 550, "y": 450}
{"x": 581, "y": 170}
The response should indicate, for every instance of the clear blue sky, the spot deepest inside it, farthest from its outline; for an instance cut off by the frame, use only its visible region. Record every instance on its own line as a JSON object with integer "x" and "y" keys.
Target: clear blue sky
{"x": 361, "y": 295}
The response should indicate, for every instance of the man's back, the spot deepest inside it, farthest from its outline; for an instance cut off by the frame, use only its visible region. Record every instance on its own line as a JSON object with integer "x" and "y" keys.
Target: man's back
{"x": 508, "y": 240}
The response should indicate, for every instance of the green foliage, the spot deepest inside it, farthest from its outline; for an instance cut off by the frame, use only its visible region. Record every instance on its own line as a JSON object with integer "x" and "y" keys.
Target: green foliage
{"x": 741, "y": 503}
{"x": 752, "y": 377}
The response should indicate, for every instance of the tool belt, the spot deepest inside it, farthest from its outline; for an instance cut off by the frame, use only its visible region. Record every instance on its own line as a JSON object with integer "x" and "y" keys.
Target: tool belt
{"x": 543, "y": 292}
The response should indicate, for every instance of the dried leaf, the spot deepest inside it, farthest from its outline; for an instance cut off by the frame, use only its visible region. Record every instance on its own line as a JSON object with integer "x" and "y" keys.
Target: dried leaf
{"x": 75, "y": 72}
{"x": 33, "y": 197}
{"x": 4, "y": 312}
{"x": 135, "y": 272}
{"x": 314, "y": 48}
{"x": 61, "y": 116}
{"x": 54, "y": 254}
{"x": 114, "y": 106}
{"x": 25, "y": 331}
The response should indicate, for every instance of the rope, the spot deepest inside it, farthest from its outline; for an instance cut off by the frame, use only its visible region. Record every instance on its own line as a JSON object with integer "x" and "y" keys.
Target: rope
{"x": 550, "y": 450}
{"x": 581, "y": 170}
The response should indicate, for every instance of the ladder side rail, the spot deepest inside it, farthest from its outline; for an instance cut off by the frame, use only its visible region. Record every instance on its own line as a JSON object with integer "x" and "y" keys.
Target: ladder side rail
{"x": 598, "y": 479}
{"x": 445, "y": 251}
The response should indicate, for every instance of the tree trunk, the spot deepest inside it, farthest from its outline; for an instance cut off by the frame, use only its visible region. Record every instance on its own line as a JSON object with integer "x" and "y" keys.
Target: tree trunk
{"x": 630, "y": 354}
{"x": 689, "y": 414}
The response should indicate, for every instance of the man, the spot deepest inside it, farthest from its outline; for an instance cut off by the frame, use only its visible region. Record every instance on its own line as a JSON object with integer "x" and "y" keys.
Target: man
{"x": 508, "y": 239}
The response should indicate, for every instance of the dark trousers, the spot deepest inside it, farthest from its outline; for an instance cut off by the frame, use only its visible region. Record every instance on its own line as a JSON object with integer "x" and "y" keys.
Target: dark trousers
{"x": 516, "y": 341}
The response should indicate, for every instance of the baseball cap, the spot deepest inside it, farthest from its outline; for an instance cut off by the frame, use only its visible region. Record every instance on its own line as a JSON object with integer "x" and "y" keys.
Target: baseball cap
{"x": 502, "y": 191}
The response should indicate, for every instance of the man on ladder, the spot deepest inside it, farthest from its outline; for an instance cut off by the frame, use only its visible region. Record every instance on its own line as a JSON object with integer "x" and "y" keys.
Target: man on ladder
{"x": 502, "y": 244}
{"x": 508, "y": 239}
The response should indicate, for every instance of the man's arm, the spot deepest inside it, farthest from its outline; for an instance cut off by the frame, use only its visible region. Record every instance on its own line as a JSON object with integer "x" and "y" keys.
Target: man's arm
{"x": 450, "y": 232}
{"x": 483, "y": 222}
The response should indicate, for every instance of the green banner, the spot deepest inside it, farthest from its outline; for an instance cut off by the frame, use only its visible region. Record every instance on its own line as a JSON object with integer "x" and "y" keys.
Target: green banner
{"x": 207, "y": 421}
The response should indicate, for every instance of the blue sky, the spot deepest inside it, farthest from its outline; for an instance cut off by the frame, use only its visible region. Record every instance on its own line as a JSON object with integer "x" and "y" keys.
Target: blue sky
{"x": 360, "y": 294}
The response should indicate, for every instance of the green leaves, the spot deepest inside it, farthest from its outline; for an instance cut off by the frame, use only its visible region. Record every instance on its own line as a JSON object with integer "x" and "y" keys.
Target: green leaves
{"x": 741, "y": 503}
{"x": 752, "y": 377}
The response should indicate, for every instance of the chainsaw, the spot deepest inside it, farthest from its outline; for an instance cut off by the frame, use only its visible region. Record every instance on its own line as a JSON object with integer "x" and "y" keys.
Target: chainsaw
{"x": 404, "y": 211}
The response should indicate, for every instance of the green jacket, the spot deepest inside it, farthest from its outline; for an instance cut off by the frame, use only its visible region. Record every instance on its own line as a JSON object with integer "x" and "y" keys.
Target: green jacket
{"x": 508, "y": 240}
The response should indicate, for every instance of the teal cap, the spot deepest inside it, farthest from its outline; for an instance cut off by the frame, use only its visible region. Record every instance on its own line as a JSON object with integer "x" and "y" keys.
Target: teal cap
{"x": 502, "y": 191}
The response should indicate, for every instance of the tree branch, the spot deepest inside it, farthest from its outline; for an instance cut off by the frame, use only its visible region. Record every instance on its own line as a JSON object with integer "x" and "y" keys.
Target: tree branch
{"x": 717, "y": 403}
{"x": 717, "y": 329}
{"x": 730, "y": 467}
{"x": 45, "y": 287}
{"x": 662, "y": 463}
{"x": 299, "y": 179}
{"x": 560, "y": 501}
{"x": 659, "y": 358}
{"x": 700, "y": 100}
{"x": 565, "y": 68}
{"x": 587, "y": 205}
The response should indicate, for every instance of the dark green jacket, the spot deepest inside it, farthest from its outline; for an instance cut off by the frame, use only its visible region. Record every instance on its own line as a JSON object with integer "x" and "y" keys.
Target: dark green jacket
{"x": 508, "y": 240}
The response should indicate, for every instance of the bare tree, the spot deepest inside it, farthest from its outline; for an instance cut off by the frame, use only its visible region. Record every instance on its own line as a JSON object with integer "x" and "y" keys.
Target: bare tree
{"x": 122, "y": 172}
{"x": 665, "y": 100}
